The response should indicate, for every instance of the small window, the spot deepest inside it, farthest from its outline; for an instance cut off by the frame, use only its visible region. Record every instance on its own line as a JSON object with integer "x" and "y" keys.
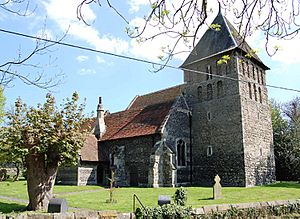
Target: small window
{"x": 219, "y": 89}
{"x": 200, "y": 94}
{"x": 112, "y": 159}
{"x": 253, "y": 72}
{"x": 259, "y": 95}
{"x": 243, "y": 67}
{"x": 258, "y": 75}
{"x": 262, "y": 77}
{"x": 208, "y": 116}
{"x": 209, "y": 92}
{"x": 208, "y": 71}
{"x": 255, "y": 92}
{"x": 181, "y": 153}
{"x": 209, "y": 151}
{"x": 260, "y": 151}
{"x": 218, "y": 69}
{"x": 248, "y": 69}
{"x": 250, "y": 90}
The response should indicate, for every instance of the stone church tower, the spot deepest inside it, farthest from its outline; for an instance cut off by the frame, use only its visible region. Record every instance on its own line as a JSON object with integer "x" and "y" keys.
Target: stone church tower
{"x": 231, "y": 122}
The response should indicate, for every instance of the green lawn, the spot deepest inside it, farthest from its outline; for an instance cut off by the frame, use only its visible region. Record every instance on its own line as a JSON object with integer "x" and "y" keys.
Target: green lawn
{"x": 197, "y": 196}
{"x": 8, "y": 206}
{"x": 18, "y": 189}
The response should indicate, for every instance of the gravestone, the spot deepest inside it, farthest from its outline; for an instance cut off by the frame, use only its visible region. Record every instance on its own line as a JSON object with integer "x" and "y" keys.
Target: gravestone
{"x": 164, "y": 199}
{"x": 217, "y": 188}
{"x": 57, "y": 205}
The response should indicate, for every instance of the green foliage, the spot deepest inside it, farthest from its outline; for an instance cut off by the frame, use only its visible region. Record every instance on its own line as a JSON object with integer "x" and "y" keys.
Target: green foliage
{"x": 286, "y": 137}
{"x": 180, "y": 196}
{"x": 164, "y": 211}
{"x": 223, "y": 60}
{"x": 216, "y": 27}
{"x": 251, "y": 53}
{"x": 54, "y": 133}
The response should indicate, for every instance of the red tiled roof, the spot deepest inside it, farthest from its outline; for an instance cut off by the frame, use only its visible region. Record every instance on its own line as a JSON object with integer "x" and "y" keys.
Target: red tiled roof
{"x": 89, "y": 151}
{"x": 161, "y": 96}
{"x": 144, "y": 116}
{"x": 138, "y": 122}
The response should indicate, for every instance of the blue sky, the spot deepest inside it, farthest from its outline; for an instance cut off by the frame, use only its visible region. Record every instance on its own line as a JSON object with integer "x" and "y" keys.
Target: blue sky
{"x": 116, "y": 80}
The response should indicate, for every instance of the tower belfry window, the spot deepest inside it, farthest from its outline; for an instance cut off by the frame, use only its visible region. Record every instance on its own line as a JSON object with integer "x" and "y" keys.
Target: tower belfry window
{"x": 259, "y": 95}
{"x": 209, "y": 92}
{"x": 208, "y": 71}
{"x": 255, "y": 92}
{"x": 220, "y": 89}
{"x": 250, "y": 90}
{"x": 200, "y": 95}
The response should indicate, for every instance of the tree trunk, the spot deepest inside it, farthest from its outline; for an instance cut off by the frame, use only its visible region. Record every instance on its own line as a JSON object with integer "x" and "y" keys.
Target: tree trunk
{"x": 40, "y": 181}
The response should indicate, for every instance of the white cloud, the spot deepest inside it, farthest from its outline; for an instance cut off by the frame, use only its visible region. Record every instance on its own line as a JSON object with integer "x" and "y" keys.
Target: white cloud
{"x": 136, "y": 4}
{"x": 82, "y": 58}
{"x": 288, "y": 52}
{"x": 86, "y": 72}
{"x": 64, "y": 14}
{"x": 45, "y": 34}
{"x": 100, "y": 60}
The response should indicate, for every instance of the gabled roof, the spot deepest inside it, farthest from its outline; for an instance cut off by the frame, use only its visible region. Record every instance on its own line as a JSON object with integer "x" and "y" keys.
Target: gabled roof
{"x": 89, "y": 151}
{"x": 145, "y": 115}
{"x": 215, "y": 42}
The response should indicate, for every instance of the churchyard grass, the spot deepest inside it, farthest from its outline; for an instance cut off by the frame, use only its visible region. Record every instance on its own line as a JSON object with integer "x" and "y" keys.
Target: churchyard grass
{"x": 18, "y": 189}
{"x": 197, "y": 196}
{"x": 9, "y": 206}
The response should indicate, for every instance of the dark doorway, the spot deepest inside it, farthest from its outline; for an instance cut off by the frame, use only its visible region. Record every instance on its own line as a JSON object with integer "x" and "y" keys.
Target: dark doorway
{"x": 99, "y": 174}
{"x": 134, "y": 178}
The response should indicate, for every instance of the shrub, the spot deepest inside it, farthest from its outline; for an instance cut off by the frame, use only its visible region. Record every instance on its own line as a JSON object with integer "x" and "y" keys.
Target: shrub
{"x": 180, "y": 196}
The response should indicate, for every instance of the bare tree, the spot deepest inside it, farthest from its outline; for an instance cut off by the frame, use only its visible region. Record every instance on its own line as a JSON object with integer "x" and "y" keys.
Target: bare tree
{"x": 183, "y": 19}
{"x": 32, "y": 73}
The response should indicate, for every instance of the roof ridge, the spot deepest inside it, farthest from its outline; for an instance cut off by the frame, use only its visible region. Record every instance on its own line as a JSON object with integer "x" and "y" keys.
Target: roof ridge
{"x": 158, "y": 91}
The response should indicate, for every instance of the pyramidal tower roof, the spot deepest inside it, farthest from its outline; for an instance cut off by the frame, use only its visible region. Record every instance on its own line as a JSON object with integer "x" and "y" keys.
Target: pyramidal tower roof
{"x": 215, "y": 42}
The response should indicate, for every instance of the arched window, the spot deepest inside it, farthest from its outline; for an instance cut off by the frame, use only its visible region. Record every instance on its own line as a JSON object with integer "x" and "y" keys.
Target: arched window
{"x": 218, "y": 69}
{"x": 262, "y": 77}
{"x": 250, "y": 90}
{"x": 248, "y": 69}
{"x": 220, "y": 89}
{"x": 255, "y": 92}
{"x": 181, "y": 153}
{"x": 208, "y": 71}
{"x": 243, "y": 67}
{"x": 253, "y": 72}
{"x": 259, "y": 94}
{"x": 209, "y": 151}
{"x": 209, "y": 92}
{"x": 258, "y": 75}
{"x": 200, "y": 94}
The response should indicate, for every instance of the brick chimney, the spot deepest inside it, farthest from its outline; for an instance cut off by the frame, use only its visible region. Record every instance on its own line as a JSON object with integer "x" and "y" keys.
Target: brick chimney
{"x": 100, "y": 127}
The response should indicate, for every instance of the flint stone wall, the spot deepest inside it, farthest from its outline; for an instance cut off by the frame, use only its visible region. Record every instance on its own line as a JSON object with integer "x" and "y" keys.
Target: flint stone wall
{"x": 232, "y": 119}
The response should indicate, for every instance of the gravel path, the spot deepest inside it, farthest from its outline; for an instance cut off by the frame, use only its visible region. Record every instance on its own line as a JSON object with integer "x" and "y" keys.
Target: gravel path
{"x": 14, "y": 199}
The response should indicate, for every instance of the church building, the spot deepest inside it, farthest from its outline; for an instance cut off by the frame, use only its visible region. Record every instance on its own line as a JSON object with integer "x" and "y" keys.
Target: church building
{"x": 217, "y": 122}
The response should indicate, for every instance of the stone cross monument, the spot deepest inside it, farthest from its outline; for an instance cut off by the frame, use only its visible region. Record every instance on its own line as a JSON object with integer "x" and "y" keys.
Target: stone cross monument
{"x": 217, "y": 188}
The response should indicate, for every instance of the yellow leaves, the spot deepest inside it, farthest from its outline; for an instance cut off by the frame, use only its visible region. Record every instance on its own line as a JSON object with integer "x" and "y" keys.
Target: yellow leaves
{"x": 216, "y": 27}
{"x": 251, "y": 53}
{"x": 223, "y": 60}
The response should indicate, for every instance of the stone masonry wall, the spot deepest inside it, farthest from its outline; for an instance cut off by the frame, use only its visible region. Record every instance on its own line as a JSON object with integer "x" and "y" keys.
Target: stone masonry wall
{"x": 232, "y": 132}
{"x": 257, "y": 125}
{"x": 178, "y": 127}
{"x": 137, "y": 152}
{"x": 216, "y": 124}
